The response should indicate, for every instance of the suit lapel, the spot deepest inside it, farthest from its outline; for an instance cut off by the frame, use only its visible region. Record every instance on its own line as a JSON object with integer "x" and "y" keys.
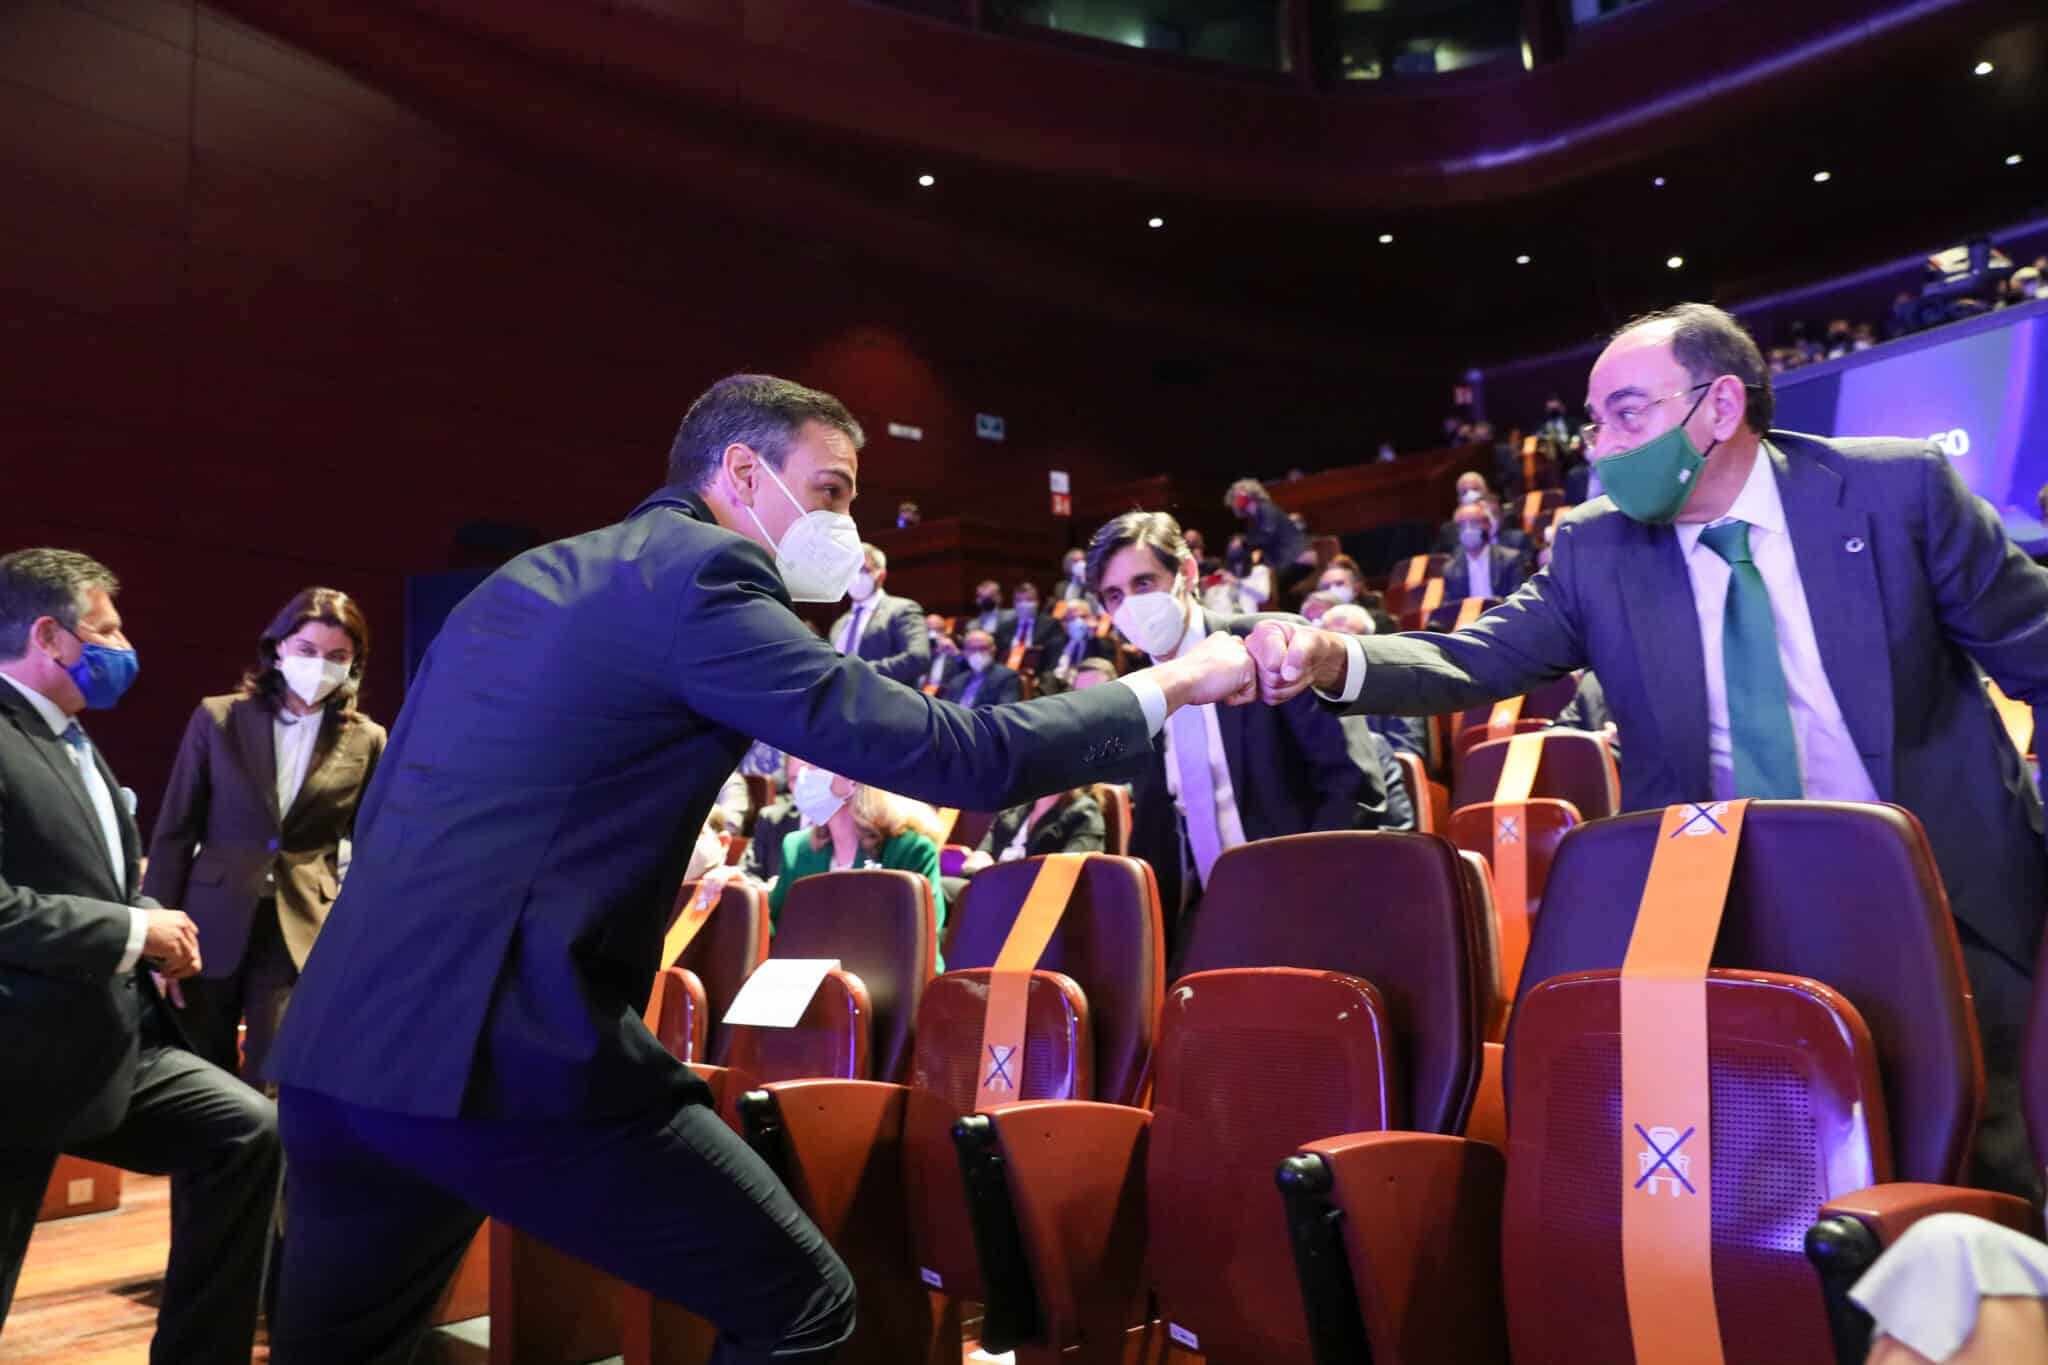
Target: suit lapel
{"x": 1665, "y": 628}
{"x": 52, "y": 751}
{"x": 1843, "y": 598}
{"x": 256, "y": 745}
{"x": 124, "y": 821}
{"x": 325, "y": 747}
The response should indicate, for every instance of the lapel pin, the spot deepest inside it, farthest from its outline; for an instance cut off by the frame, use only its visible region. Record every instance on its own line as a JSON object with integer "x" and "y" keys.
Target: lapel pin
{"x": 1854, "y": 545}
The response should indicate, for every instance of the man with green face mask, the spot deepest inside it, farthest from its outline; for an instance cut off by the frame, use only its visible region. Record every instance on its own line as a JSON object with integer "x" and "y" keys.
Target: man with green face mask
{"x": 1772, "y": 615}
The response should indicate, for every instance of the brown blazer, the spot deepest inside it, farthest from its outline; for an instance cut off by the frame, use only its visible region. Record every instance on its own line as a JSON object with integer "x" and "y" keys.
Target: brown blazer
{"x": 221, "y": 844}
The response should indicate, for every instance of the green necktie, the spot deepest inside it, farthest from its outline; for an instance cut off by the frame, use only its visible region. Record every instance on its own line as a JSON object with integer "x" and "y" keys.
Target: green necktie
{"x": 1759, "y": 714}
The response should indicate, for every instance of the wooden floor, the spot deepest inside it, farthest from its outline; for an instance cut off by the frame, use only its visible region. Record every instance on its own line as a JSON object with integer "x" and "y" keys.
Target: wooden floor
{"x": 89, "y": 1289}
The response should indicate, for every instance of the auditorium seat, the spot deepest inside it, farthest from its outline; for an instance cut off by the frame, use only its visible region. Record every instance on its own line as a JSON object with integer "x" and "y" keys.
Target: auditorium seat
{"x": 1543, "y": 824}
{"x": 870, "y": 1162}
{"x": 1432, "y": 800}
{"x": 1328, "y": 977}
{"x": 1576, "y": 766}
{"x": 1842, "y": 1054}
{"x": 1399, "y": 597}
{"x": 1468, "y": 735}
{"x": 1115, "y": 800}
{"x": 760, "y": 791}
{"x": 731, "y": 943}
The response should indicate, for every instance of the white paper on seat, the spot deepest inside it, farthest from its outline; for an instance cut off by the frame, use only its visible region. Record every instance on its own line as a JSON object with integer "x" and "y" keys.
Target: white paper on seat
{"x": 779, "y": 991}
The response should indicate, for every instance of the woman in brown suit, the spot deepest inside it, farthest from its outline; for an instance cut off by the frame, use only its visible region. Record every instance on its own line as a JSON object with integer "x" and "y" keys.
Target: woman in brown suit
{"x": 264, "y": 794}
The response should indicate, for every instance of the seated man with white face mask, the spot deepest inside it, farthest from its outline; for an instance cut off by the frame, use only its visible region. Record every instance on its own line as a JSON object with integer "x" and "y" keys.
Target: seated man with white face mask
{"x": 888, "y": 631}
{"x": 1226, "y": 775}
{"x": 1479, "y": 568}
{"x": 467, "y": 1039}
{"x": 984, "y": 682}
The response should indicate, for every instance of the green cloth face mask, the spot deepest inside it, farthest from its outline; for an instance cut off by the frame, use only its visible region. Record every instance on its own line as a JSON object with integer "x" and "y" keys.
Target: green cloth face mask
{"x": 1653, "y": 482}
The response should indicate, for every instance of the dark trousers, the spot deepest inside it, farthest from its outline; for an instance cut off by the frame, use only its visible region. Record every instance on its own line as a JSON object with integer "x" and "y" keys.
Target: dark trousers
{"x": 259, "y": 989}
{"x": 672, "y": 1201}
{"x": 217, "y": 1140}
{"x": 2002, "y": 1158}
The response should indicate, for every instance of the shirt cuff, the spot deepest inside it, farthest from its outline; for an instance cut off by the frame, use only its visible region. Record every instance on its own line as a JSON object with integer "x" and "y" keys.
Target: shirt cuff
{"x": 1354, "y": 674}
{"x": 138, "y": 931}
{"x": 1151, "y": 699}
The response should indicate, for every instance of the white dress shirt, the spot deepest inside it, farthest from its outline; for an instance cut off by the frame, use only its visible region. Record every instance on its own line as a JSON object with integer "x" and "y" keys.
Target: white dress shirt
{"x": 1830, "y": 767}
{"x": 294, "y": 738}
{"x": 1229, "y": 824}
{"x": 102, "y": 806}
{"x": 1479, "y": 571}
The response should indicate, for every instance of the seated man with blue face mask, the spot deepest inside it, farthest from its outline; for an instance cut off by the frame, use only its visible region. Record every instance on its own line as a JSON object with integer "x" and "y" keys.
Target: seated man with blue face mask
{"x": 467, "y": 1039}
{"x": 983, "y": 682}
{"x": 1772, "y": 615}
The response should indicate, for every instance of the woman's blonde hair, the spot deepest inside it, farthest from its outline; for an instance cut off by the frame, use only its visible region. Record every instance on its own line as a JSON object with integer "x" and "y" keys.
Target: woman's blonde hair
{"x": 880, "y": 816}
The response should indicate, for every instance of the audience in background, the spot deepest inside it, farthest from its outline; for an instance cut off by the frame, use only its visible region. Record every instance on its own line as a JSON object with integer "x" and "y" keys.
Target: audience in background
{"x": 1065, "y": 822}
{"x": 1479, "y": 567}
{"x": 1472, "y": 490}
{"x": 1073, "y": 584}
{"x": 851, "y": 826}
{"x": 1507, "y": 533}
{"x": 1093, "y": 673}
{"x": 907, "y": 515}
{"x": 945, "y": 654}
{"x": 989, "y": 612}
{"x": 773, "y": 824}
{"x": 763, "y": 759}
{"x": 1270, "y": 533}
{"x": 983, "y": 681}
{"x": 251, "y": 834}
{"x": 1316, "y": 603}
{"x": 1030, "y": 628}
{"x": 888, "y": 632}
{"x": 1225, "y": 774}
{"x": 1079, "y": 642}
{"x": 1408, "y": 734}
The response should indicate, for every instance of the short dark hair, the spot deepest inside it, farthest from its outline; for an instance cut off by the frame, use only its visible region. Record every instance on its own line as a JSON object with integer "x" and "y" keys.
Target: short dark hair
{"x": 330, "y": 607}
{"x": 1709, "y": 343}
{"x": 756, "y": 410}
{"x": 1155, "y": 531}
{"x": 46, "y": 582}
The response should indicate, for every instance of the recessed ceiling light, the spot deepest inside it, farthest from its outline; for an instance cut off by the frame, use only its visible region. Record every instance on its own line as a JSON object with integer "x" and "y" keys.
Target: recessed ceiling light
{"x": 1521, "y": 260}
{"x": 1822, "y": 177}
{"x": 927, "y": 180}
{"x": 1386, "y": 239}
{"x": 1982, "y": 69}
{"x": 2014, "y": 160}
{"x": 1674, "y": 262}
{"x": 1155, "y": 222}
{"x": 1658, "y": 182}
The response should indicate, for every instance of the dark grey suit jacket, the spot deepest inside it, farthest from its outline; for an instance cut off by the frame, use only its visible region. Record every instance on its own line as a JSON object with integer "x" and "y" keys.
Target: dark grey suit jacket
{"x": 1504, "y": 564}
{"x": 71, "y": 1023}
{"x": 518, "y": 852}
{"x": 897, "y": 641}
{"x": 1909, "y": 579}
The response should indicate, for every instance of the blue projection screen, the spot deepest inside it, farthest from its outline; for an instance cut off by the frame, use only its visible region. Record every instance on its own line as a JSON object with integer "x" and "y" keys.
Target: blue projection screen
{"x": 1977, "y": 388}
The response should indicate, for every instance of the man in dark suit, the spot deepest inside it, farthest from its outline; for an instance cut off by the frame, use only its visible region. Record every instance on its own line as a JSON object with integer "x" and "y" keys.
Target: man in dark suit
{"x": 989, "y": 612}
{"x": 1478, "y": 567}
{"x": 1030, "y": 626}
{"x": 466, "y": 1039}
{"x": 1472, "y": 491}
{"x": 945, "y": 654}
{"x": 1790, "y": 617}
{"x": 889, "y": 632}
{"x": 1225, "y": 776}
{"x": 982, "y": 681}
{"x": 93, "y": 1064}
{"x": 1079, "y": 640}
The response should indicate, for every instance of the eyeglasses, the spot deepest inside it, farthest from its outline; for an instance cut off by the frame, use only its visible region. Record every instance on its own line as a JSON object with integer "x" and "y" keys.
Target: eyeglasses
{"x": 1628, "y": 419}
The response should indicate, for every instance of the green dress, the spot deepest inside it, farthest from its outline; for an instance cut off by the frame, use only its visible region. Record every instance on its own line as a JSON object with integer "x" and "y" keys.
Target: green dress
{"x": 907, "y": 852}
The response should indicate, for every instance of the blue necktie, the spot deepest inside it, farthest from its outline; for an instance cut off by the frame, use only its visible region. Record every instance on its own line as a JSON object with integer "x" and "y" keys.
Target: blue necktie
{"x": 1765, "y": 755}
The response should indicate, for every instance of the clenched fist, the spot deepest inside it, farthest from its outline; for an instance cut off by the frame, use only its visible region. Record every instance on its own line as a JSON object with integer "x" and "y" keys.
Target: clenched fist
{"x": 1292, "y": 658}
{"x": 171, "y": 944}
{"x": 1218, "y": 669}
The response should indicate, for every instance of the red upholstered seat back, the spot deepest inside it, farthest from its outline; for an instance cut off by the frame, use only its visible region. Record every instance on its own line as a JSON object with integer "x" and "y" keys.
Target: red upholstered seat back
{"x": 1576, "y": 767}
{"x": 1252, "y": 1064}
{"x": 1798, "y": 1117}
{"x": 945, "y": 1075}
{"x": 880, "y": 925}
{"x": 1116, "y": 816}
{"x": 1391, "y": 908}
{"x": 682, "y": 1019}
{"x": 1544, "y": 824}
{"x": 1842, "y": 893}
{"x": 1109, "y": 942}
{"x": 733, "y": 942}
{"x": 829, "y": 1042}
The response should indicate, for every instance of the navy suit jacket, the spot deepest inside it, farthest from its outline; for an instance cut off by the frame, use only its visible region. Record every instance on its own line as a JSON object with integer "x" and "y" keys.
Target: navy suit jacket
{"x": 1912, "y": 585}
{"x": 1292, "y": 768}
{"x": 896, "y": 641}
{"x": 998, "y": 685}
{"x": 517, "y": 853}
{"x": 73, "y": 1025}
{"x": 1506, "y": 568}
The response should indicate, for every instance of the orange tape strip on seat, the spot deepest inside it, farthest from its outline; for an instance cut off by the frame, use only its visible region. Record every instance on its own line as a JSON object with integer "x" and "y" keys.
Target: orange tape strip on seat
{"x": 2017, "y": 715}
{"x": 1468, "y": 611}
{"x": 1417, "y": 567}
{"x": 1532, "y": 508}
{"x": 1667, "y": 1192}
{"x": 1432, "y": 598}
{"x": 1001, "y": 1068}
{"x": 1510, "y": 853}
{"x": 1501, "y": 723}
{"x": 689, "y": 919}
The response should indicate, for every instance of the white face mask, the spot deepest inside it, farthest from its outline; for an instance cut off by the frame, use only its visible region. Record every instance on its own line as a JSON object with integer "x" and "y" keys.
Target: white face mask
{"x": 1472, "y": 537}
{"x": 813, "y": 795}
{"x": 1340, "y": 591}
{"x": 977, "y": 660}
{"x": 311, "y": 680}
{"x": 863, "y": 586}
{"x": 1468, "y": 496}
{"x": 819, "y": 554}
{"x": 1153, "y": 621}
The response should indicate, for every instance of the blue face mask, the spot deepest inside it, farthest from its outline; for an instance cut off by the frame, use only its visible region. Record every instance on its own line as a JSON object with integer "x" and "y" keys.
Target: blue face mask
{"x": 102, "y": 672}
